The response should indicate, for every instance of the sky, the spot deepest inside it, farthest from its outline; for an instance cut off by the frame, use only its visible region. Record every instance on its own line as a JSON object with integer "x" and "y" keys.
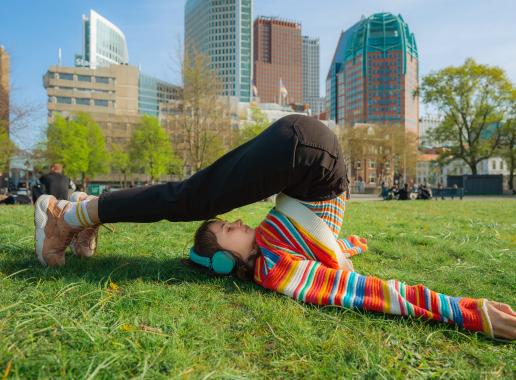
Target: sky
{"x": 447, "y": 32}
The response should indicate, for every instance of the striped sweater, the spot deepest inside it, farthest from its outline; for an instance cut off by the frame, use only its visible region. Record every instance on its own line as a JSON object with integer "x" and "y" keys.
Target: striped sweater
{"x": 294, "y": 263}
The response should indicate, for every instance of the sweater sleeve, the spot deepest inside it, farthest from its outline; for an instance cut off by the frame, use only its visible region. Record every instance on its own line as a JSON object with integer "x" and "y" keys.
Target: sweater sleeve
{"x": 353, "y": 245}
{"x": 314, "y": 283}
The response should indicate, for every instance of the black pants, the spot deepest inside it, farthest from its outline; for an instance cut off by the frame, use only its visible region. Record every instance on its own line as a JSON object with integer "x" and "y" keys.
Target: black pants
{"x": 296, "y": 155}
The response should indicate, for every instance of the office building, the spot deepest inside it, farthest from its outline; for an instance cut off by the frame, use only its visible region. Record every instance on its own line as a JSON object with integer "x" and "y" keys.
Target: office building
{"x": 374, "y": 73}
{"x": 103, "y": 43}
{"x": 311, "y": 58}
{"x": 278, "y": 60}
{"x": 152, "y": 92}
{"x": 222, "y": 31}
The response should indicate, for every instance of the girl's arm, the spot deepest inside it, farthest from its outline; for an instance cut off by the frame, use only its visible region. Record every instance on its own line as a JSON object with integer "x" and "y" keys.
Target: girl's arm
{"x": 312, "y": 282}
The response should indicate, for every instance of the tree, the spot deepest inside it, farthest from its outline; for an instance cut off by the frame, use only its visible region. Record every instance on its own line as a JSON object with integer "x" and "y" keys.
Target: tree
{"x": 474, "y": 99}
{"x": 79, "y": 145}
{"x": 150, "y": 148}
{"x": 508, "y": 148}
{"x": 252, "y": 129}
{"x": 7, "y": 148}
{"x": 121, "y": 163}
{"x": 200, "y": 113}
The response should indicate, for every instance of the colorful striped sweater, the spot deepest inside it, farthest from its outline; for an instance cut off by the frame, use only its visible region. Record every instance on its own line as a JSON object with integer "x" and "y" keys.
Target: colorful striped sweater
{"x": 293, "y": 263}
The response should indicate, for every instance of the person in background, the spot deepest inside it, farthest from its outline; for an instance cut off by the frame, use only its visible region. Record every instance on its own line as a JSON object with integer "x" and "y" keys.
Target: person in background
{"x": 56, "y": 183}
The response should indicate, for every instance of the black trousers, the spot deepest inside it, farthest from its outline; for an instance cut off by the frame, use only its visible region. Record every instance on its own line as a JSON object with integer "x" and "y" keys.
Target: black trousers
{"x": 296, "y": 155}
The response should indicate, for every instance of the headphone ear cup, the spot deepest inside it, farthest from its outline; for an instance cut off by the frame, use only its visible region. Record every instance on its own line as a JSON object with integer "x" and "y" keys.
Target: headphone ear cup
{"x": 223, "y": 262}
{"x": 200, "y": 260}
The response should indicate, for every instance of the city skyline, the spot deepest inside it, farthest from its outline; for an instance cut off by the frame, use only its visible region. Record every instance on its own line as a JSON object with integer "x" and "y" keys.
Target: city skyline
{"x": 446, "y": 34}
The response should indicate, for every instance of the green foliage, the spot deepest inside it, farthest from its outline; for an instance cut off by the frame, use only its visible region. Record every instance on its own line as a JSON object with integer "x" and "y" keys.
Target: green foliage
{"x": 473, "y": 98}
{"x": 79, "y": 145}
{"x": 252, "y": 129}
{"x": 7, "y": 148}
{"x": 150, "y": 148}
{"x": 507, "y": 149}
{"x": 120, "y": 161}
{"x": 135, "y": 310}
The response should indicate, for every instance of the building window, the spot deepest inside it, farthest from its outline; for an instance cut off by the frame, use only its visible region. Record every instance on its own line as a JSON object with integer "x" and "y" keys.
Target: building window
{"x": 501, "y": 164}
{"x": 84, "y": 78}
{"x": 358, "y": 165}
{"x": 372, "y": 178}
{"x": 372, "y": 164}
{"x": 64, "y": 100}
{"x": 82, "y": 101}
{"x": 102, "y": 80}
{"x": 65, "y": 76}
{"x": 493, "y": 165}
{"x": 101, "y": 103}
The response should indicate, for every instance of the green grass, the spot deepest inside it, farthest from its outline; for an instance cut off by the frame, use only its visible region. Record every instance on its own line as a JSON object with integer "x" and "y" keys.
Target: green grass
{"x": 136, "y": 311}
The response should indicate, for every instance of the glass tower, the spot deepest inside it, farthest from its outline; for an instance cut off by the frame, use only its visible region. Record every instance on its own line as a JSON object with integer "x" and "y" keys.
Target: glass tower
{"x": 103, "y": 43}
{"x": 374, "y": 74}
{"x": 310, "y": 69}
{"x": 223, "y": 31}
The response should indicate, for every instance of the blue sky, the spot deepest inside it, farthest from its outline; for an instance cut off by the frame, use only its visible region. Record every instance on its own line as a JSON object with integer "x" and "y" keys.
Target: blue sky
{"x": 447, "y": 32}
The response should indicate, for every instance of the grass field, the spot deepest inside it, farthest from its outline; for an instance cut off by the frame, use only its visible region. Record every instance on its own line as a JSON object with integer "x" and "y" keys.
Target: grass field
{"x": 136, "y": 311}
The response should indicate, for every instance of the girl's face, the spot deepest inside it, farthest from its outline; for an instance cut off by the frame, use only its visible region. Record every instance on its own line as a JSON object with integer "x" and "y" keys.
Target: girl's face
{"x": 235, "y": 237}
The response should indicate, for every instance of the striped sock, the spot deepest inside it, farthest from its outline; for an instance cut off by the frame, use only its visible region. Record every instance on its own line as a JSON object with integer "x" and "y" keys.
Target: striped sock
{"x": 77, "y": 216}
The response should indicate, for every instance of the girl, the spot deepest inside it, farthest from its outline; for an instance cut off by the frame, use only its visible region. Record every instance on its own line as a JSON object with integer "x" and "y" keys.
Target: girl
{"x": 295, "y": 250}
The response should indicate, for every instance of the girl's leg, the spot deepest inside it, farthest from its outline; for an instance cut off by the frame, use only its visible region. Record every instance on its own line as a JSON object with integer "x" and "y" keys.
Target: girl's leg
{"x": 297, "y": 155}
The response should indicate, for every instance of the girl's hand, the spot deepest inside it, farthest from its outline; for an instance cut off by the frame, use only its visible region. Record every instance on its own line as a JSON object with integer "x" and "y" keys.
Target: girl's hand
{"x": 503, "y": 320}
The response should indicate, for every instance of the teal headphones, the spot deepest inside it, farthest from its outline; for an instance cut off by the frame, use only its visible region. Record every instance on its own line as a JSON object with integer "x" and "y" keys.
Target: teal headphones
{"x": 221, "y": 262}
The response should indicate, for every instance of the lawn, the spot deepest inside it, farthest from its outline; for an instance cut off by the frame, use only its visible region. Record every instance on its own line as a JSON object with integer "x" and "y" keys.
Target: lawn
{"x": 135, "y": 310}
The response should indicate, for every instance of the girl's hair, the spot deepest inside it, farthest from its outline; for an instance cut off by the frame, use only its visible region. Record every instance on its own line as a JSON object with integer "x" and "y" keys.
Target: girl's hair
{"x": 205, "y": 244}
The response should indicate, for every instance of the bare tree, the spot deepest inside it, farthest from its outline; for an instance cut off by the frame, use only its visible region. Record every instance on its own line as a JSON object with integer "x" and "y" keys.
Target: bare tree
{"x": 200, "y": 121}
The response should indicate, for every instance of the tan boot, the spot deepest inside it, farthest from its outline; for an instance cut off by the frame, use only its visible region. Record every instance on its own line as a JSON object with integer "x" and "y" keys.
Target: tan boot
{"x": 84, "y": 244}
{"x": 52, "y": 234}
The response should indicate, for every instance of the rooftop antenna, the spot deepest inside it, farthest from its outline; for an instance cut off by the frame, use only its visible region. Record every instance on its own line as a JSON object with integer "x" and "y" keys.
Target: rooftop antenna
{"x": 59, "y": 57}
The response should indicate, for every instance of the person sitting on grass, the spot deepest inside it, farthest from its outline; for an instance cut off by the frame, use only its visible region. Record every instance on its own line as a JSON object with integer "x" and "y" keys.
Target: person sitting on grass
{"x": 295, "y": 250}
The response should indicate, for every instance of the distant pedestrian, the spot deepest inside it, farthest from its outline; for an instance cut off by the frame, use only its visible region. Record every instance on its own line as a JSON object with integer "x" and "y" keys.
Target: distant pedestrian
{"x": 440, "y": 191}
{"x": 55, "y": 183}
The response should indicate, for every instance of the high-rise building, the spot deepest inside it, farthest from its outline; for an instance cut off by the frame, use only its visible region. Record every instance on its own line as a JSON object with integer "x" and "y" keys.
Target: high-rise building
{"x": 374, "y": 74}
{"x": 103, "y": 43}
{"x": 4, "y": 88}
{"x": 222, "y": 31}
{"x": 278, "y": 60}
{"x": 311, "y": 70}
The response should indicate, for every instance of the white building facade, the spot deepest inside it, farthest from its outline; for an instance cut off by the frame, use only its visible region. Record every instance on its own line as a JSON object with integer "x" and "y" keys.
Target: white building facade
{"x": 103, "y": 43}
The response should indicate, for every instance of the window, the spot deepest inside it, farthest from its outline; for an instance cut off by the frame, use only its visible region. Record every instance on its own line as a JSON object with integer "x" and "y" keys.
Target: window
{"x": 65, "y": 76}
{"x": 372, "y": 178}
{"x": 64, "y": 100}
{"x": 493, "y": 164}
{"x": 102, "y": 80}
{"x": 82, "y": 101}
{"x": 372, "y": 164}
{"x": 84, "y": 78}
{"x": 101, "y": 103}
{"x": 501, "y": 164}
{"x": 358, "y": 165}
